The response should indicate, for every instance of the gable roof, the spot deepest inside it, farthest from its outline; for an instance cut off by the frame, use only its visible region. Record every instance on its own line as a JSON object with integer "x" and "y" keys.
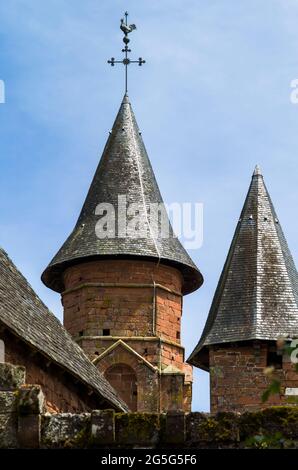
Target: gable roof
{"x": 121, "y": 343}
{"x": 257, "y": 294}
{"x": 124, "y": 170}
{"x": 22, "y": 311}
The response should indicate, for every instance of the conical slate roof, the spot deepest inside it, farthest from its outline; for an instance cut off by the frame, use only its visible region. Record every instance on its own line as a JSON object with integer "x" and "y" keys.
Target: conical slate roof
{"x": 124, "y": 170}
{"x": 257, "y": 294}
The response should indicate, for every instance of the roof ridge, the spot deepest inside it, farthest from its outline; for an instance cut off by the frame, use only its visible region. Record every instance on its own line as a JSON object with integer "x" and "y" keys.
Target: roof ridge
{"x": 141, "y": 183}
{"x": 257, "y": 293}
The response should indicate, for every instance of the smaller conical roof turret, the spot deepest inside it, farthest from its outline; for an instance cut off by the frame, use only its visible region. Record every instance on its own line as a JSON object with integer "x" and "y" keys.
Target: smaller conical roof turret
{"x": 257, "y": 293}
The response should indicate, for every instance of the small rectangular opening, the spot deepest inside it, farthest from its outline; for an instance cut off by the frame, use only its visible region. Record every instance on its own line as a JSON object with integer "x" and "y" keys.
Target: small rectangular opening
{"x": 106, "y": 332}
{"x": 274, "y": 359}
{"x": 178, "y": 335}
{"x": 81, "y": 333}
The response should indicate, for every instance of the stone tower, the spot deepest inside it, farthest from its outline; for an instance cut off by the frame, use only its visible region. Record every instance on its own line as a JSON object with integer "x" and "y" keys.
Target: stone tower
{"x": 122, "y": 295}
{"x": 254, "y": 306}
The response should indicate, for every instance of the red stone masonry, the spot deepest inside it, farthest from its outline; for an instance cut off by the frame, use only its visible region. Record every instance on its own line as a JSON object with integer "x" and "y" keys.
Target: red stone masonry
{"x": 61, "y": 392}
{"x": 140, "y": 303}
{"x": 237, "y": 378}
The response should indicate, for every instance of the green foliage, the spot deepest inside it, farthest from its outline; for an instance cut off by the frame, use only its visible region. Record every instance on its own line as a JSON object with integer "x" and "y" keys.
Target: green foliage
{"x": 274, "y": 388}
{"x": 292, "y": 400}
{"x": 261, "y": 441}
{"x": 141, "y": 427}
{"x": 219, "y": 428}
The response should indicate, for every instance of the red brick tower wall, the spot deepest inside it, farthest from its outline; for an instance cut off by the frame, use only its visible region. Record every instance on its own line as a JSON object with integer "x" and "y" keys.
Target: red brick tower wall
{"x": 238, "y": 376}
{"x": 98, "y": 297}
{"x": 138, "y": 302}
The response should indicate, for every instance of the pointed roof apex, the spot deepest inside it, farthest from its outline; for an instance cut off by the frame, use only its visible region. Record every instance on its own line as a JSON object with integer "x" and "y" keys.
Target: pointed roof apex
{"x": 125, "y": 99}
{"x": 257, "y": 171}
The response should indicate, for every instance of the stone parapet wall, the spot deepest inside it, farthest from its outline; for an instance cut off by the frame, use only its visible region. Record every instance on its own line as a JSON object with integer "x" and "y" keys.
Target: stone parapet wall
{"x": 25, "y": 424}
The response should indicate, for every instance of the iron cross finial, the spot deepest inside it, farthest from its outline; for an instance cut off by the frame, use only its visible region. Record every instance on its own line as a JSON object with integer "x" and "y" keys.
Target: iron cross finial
{"x": 127, "y": 29}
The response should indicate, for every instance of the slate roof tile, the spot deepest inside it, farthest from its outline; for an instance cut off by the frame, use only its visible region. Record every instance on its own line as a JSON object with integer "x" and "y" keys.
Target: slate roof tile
{"x": 124, "y": 170}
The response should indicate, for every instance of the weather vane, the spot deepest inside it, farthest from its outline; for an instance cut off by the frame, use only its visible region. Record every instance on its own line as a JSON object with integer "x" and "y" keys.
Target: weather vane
{"x": 126, "y": 28}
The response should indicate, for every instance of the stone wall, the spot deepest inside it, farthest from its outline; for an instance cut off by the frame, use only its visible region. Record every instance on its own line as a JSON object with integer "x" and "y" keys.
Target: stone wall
{"x": 60, "y": 390}
{"x": 25, "y": 424}
{"x": 237, "y": 378}
{"x": 146, "y": 378}
{"x": 118, "y": 295}
{"x": 139, "y": 304}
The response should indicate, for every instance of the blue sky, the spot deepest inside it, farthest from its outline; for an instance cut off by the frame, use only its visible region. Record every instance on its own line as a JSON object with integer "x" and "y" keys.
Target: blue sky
{"x": 212, "y": 101}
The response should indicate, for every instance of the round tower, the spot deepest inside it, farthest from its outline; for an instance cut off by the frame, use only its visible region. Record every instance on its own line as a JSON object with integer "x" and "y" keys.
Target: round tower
{"x": 122, "y": 283}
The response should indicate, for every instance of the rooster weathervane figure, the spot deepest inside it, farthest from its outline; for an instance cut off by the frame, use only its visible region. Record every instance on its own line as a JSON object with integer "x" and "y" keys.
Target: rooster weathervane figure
{"x": 126, "y": 28}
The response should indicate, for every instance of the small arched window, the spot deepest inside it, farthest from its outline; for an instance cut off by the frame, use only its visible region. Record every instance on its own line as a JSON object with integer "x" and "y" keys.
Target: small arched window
{"x": 2, "y": 351}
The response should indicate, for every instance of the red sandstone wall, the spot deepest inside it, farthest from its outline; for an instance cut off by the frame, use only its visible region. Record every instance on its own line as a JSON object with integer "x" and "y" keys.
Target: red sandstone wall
{"x": 60, "y": 392}
{"x": 237, "y": 378}
{"x": 91, "y": 307}
{"x": 126, "y": 311}
{"x": 148, "y": 318}
{"x": 168, "y": 316}
{"x": 150, "y": 347}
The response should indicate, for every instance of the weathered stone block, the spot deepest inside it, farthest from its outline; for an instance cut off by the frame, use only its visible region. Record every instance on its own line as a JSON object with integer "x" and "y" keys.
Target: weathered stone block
{"x": 278, "y": 419}
{"x": 29, "y": 431}
{"x": 137, "y": 429}
{"x": 8, "y": 420}
{"x": 8, "y": 402}
{"x": 30, "y": 400}
{"x": 11, "y": 377}
{"x": 102, "y": 427}
{"x": 204, "y": 428}
{"x": 174, "y": 429}
{"x": 65, "y": 430}
{"x": 8, "y": 430}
